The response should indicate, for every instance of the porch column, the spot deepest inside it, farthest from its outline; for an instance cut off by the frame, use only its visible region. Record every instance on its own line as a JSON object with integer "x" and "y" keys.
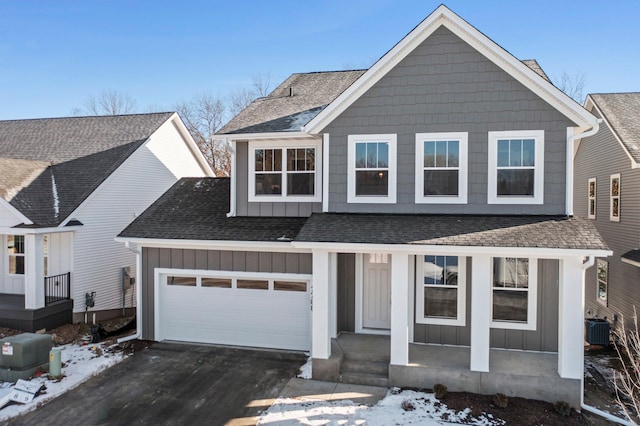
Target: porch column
{"x": 571, "y": 319}
{"x": 33, "y": 271}
{"x": 399, "y": 308}
{"x": 320, "y": 339}
{"x": 480, "y": 312}
{"x": 333, "y": 295}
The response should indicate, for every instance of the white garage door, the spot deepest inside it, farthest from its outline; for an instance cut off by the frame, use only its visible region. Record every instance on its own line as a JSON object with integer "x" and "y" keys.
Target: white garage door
{"x": 267, "y": 310}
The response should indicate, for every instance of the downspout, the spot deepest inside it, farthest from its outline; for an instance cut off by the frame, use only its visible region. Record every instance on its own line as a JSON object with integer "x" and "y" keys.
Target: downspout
{"x": 586, "y": 265}
{"x": 138, "y": 333}
{"x": 232, "y": 189}
{"x": 569, "y": 174}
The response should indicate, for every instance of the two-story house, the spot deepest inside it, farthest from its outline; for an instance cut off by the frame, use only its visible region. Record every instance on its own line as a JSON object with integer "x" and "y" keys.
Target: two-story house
{"x": 408, "y": 224}
{"x": 607, "y": 181}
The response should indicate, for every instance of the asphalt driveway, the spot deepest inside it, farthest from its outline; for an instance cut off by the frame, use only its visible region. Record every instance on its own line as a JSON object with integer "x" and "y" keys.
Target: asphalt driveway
{"x": 175, "y": 384}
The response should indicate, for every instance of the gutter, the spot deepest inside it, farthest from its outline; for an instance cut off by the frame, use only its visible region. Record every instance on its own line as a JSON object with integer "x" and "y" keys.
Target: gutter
{"x": 138, "y": 333}
{"x": 233, "y": 183}
{"x": 570, "y": 166}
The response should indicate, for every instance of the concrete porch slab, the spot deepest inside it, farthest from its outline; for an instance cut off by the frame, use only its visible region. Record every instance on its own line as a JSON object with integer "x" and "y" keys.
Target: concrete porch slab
{"x": 317, "y": 390}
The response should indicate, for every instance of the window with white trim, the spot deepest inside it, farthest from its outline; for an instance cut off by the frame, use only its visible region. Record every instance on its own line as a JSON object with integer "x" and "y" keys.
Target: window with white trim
{"x": 614, "y": 197}
{"x": 372, "y": 168}
{"x": 440, "y": 290}
{"x": 602, "y": 276}
{"x": 286, "y": 172}
{"x": 516, "y": 167}
{"x": 441, "y": 168}
{"x": 591, "y": 199}
{"x": 514, "y": 296}
{"x": 15, "y": 251}
{"x": 236, "y": 281}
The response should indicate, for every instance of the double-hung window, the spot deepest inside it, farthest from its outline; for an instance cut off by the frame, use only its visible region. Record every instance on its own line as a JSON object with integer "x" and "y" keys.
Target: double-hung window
{"x": 440, "y": 290}
{"x": 372, "y": 169}
{"x": 516, "y": 167}
{"x": 614, "y": 195}
{"x": 441, "y": 168}
{"x": 514, "y": 284}
{"x": 288, "y": 172}
{"x": 15, "y": 250}
{"x": 591, "y": 199}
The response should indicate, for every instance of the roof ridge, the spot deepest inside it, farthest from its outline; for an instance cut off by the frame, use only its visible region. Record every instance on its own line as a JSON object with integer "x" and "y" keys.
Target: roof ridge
{"x": 615, "y": 93}
{"x": 88, "y": 116}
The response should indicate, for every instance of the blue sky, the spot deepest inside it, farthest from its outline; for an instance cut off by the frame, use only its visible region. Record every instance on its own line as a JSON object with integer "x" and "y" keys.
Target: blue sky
{"x": 55, "y": 54}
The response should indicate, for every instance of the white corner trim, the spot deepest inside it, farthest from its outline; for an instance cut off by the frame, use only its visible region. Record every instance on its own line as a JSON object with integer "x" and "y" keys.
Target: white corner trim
{"x": 461, "y": 296}
{"x": 443, "y": 16}
{"x": 492, "y": 175}
{"x": 532, "y": 302}
{"x": 325, "y": 173}
{"x": 461, "y": 198}
{"x": 392, "y": 140}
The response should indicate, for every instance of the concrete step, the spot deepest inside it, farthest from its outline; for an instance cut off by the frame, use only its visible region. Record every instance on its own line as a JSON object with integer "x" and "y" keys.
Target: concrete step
{"x": 380, "y": 368}
{"x": 367, "y": 356}
{"x": 364, "y": 379}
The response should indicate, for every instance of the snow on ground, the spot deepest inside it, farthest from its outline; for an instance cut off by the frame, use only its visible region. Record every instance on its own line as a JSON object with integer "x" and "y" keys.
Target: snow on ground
{"x": 305, "y": 370}
{"x": 404, "y": 407}
{"x": 80, "y": 363}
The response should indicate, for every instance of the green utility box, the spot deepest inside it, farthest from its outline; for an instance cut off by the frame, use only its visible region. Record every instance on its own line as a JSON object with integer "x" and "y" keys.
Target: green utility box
{"x": 23, "y": 354}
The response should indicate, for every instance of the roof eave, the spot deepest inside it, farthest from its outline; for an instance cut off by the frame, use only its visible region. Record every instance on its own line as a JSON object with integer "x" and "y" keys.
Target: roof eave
{"x": 265, "y": 135}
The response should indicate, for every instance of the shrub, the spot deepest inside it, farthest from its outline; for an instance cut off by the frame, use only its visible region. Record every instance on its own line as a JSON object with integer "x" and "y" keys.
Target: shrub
{"x": 440, "y": 390}
{"x": 562, "y": 408}
{"x": 500, "y": 400}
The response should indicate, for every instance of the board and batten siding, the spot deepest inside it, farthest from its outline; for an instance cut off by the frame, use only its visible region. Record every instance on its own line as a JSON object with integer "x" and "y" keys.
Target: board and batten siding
{"x": 210, "y": 260}
{"x": 12, "y": 284}
{"x": 246, "y": 208}
{"x": 135, "y": 185}
{"x": 599, "y": 157}
{"x": 445, "y": 85}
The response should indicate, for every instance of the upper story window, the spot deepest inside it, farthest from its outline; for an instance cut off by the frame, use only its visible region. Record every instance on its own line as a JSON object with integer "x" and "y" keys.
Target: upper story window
{"x": 516, "y": 167}
{"x": 290, "y": 172}
{"x": 592, "y": 199}
{"x": 372, "y": 169}
{"x": 440, "y": 290}
{"x": 514, "y": 298}
{"x": 441, "y": 168}
{"x": 602, "y": 277}
{"x": 614, "y": 195}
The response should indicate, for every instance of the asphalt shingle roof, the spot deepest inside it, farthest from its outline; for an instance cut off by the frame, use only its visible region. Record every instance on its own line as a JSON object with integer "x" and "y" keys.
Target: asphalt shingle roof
{"x": 633, "y": 255}
{"x": 462, "y": 230}
{"x": 63, "y": 160}
{"x": 622, "y": 112}
{"x": 196, "y": 209}
{"x": 293, "y": 103}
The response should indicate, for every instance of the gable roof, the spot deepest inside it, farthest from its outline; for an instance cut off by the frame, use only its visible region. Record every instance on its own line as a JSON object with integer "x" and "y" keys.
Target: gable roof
{"x": 292, "y": 104}
{"x": 443, "y": 16}
{"x": 50, "y": 166}
{"x": 196, "y": 209}
{"x": 621, "y": 112}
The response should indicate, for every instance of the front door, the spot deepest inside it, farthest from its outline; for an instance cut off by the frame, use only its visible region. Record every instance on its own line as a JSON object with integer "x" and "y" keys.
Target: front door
{"x": 376, "y": 291}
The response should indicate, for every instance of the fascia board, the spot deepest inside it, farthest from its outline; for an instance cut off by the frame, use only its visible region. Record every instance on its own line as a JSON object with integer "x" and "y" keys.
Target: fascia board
{"x": 270, "y": 135}
{"x": 213, "y": 244}
{"x": 191, "y": 143}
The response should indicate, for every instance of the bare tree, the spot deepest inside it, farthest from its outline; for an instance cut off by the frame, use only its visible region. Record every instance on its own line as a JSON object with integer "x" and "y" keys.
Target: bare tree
{"x": 108, "y": 102}
{"x": 203, "y": 116}
{"x": 261, "y": 85}
{"x": 627, "y": 380}
{"x": 572, "y": 85}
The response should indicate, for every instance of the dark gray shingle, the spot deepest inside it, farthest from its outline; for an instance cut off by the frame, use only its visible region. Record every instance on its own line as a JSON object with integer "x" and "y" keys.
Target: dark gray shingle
{"x": 622, "y": 112}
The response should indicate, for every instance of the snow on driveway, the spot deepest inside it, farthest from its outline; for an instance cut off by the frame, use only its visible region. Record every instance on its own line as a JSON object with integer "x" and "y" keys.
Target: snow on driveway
{"x": 80, "y": 363}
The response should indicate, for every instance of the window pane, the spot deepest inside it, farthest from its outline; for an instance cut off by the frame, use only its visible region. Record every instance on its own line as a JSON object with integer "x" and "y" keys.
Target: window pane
{"x": 253, "y": 284}
{"x": 602, "y": 291}
{"x": 509, "y": 305}
{"x": 277, "y": 160}
{"x": 310, "y": 159}
{"x": 16, "y": 265}
{"x": 268, "y": 160}
{"x": 453, "y": 158}
{"x": 440, "y": 270}
{"x": 268, "y": 184}
{"x": 515, "y": 182}
{"x": 300, "y": 183}
{"x": 300, "y": 161}
{"x": 15, "y": 244}
{"x": 291, "y": 159}
{"x": 383, "y": 154}
{"x": 372, "y": 155}
{"x": 441, "y": 154}
{"x": 372, "y": 183}
{"x": 432, "y": 271}
{"x": 440, "y": 182}
{"x": 592, "y": 189}
{"x": 289, "y": 286}
{"x": 528, "y": 152}
{"x": 361, "y": 155}
{"x": 511, "y": 272}
{"x": 615, "y": 187}
{"x": 216, "y": 282}
{"x": 515, "y": 154}
{"x": 182, "y": 281}
{"x": 429, "y": 154}
{"x": 616, "y": 207}
{"x": 259, "y": 160}
{"x": 503, "y": 153}
{"x": 592, "y": 207}
{"x": 441, "y": 302}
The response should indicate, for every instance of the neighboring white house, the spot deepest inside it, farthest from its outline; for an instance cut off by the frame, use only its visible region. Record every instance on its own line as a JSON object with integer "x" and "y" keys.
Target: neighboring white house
{"x": 68, "y": 186}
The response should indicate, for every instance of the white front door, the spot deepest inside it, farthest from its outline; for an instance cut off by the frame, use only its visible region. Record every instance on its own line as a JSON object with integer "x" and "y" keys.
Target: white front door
{"x": 376, "y": 291}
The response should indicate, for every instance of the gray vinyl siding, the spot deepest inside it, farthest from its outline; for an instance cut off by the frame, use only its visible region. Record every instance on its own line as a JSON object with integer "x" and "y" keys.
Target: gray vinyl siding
{"x": 600, "y": 156}
{"x": 215, "y": 260}
{"x": 447, "y": 334}
{"x": 545, "y": 336}
{"x": 246, "y": 208}
{"x": 445, "y": 85}
{"x": 346, "y": 292}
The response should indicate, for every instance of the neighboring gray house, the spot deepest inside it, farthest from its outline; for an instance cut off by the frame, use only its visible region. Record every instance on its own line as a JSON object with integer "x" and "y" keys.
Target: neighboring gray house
{"x": 409, "y": 224}
{"x": 67, "y": 187}
{"x": 607, "y": 192}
